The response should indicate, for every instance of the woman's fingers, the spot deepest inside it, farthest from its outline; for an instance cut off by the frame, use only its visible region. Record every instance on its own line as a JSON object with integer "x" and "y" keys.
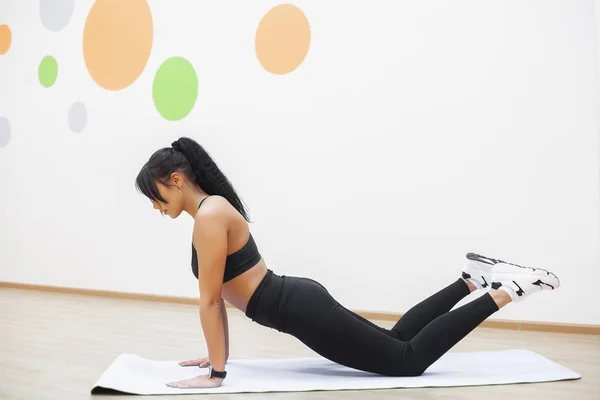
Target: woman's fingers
{"x": 200, "y": 362}
{"x": 190, "y": 363}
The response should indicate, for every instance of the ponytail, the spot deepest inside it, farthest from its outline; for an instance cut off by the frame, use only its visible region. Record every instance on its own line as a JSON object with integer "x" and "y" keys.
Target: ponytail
{"x": 188, "y": 157}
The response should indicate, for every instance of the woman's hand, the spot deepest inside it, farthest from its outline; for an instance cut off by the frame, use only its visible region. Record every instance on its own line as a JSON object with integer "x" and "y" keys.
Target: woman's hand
{"x": 199, "y": 362}
{"x": 202, "y": 381}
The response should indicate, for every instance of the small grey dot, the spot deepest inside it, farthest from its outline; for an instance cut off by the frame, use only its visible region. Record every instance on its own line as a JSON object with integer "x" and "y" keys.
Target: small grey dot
{"x": 56, "y": 14}
{"x": 77, "y": 117}
{"x": 4, "y": 132}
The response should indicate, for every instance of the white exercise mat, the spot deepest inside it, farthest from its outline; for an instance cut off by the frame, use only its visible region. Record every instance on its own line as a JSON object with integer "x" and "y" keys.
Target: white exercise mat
{"x": 132, "y": 374}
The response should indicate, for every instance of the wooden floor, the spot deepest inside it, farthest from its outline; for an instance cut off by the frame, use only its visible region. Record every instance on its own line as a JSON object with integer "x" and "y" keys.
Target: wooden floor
{"x": 56, "y": 346}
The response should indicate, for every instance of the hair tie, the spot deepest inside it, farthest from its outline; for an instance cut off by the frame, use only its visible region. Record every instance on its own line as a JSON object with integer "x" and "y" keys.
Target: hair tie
{"x": 176, "y": 145}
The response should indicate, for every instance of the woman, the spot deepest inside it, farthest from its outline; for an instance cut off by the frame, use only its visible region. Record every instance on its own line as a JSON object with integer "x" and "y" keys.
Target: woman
{"x": 228, "y": 265}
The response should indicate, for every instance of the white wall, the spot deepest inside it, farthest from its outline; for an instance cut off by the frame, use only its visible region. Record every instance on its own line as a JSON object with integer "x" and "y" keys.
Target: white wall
{"x": 413, "y": 133}
{"x": 598, "y": 88}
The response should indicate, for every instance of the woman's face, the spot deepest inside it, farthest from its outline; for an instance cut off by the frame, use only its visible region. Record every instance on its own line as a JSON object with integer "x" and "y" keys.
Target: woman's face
{"x": 173, "y": 194}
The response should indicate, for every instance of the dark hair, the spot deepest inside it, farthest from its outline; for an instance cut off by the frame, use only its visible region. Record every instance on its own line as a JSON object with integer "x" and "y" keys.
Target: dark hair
{"x": 188, "y": 157}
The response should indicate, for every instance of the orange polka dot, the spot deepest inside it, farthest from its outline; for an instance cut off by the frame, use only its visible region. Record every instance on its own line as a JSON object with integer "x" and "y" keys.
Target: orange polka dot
{"x": 117, "y": 40}
{"x": 282, "y": 39}
{"x": 5, "y": 38}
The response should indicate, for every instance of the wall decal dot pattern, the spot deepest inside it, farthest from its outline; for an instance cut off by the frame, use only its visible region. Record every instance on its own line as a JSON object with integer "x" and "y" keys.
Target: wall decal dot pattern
{"x": 117, "y": 41}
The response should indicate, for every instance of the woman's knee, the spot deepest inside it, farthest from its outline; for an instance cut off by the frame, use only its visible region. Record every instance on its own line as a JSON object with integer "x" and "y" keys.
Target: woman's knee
{"x": 415, "y": 370}
{"x": 410, "y": 364}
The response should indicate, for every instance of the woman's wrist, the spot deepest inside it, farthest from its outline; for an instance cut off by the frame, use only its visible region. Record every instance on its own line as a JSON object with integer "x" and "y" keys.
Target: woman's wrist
{"x": 217, "y": 373}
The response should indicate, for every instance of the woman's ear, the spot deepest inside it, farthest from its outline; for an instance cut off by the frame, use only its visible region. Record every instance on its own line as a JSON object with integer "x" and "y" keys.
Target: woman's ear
{"x": 176, "y": 179}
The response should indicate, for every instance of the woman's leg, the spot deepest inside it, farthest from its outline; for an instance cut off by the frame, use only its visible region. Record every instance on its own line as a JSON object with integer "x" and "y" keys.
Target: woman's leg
{"x": 423, "y": 313}
{"x": 320, "y": 322}
{"x": 441, "y": 334}
{"x": 476, "y": 274}
{"x": 361, "y": 319}
{"x": 429, "y": 309}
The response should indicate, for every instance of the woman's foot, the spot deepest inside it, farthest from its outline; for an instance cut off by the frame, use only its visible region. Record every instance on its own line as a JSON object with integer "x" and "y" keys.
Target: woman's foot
{"x": 519, "y": 282}
{"x": 478, "y": 270}
{"x": 500, "y": 297}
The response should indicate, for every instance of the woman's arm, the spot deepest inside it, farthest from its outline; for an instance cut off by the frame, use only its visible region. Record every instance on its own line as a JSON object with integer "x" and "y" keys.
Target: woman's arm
{"x": 225, "y": 328}
{"x": 212, "y": 325}
{"x": 210, "y": 241}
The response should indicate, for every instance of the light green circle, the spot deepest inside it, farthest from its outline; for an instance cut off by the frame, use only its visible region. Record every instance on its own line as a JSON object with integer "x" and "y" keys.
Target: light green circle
{"x": 175, "y": 88}
{"x": 48, "y": 71}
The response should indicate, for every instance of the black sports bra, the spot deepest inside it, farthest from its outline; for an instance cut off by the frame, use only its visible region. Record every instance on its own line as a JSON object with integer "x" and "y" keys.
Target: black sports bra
{"x": 236, "y": 263}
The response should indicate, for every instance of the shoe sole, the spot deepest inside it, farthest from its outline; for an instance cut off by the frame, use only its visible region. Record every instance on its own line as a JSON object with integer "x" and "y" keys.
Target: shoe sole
{"x": 507, "y": 271}
{"x": 483, "y": 259}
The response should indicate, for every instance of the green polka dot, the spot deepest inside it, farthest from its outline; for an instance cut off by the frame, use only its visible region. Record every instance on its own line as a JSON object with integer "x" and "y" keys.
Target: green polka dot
{"x": 48, "y": 71}
{"x": 175, "y": 88}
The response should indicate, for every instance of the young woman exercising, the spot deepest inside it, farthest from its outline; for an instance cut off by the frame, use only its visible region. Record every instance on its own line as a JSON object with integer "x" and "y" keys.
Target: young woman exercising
{"x": 228, "y": 265}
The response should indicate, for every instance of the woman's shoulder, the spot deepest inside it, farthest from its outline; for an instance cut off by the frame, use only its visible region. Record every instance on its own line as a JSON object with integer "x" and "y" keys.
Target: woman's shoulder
{"x": 215, "y": 207}
{"x": 215, "y": 200}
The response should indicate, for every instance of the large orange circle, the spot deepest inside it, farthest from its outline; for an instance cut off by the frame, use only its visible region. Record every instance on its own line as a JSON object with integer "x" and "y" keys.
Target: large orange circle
{"x": 117, "y": 40}
{"x": 5, "y": 38}
{"x": 282, "y": 39}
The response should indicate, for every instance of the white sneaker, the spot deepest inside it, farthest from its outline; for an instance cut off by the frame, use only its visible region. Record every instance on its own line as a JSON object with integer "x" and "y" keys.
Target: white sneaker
{"x": 478, "y": 270}
{"x": 520, "y": 282}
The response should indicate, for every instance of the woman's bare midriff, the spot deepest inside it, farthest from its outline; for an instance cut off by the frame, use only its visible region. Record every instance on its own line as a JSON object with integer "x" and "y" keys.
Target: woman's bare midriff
{"x": 239, "y": 290}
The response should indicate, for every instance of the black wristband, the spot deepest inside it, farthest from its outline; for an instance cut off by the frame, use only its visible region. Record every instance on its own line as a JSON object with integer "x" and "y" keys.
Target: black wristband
{"x": 217, "y": 374}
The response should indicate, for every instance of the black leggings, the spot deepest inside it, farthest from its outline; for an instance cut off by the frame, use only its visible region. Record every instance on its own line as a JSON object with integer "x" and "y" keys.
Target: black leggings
{"x": 302, "y": 307}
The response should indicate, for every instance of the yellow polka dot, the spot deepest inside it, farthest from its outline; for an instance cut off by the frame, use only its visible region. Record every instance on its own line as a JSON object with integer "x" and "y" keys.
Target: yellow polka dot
{"x": 117, "y": 40}
{"x": 5, "y": 38}
{"x": 282, "y": 39}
